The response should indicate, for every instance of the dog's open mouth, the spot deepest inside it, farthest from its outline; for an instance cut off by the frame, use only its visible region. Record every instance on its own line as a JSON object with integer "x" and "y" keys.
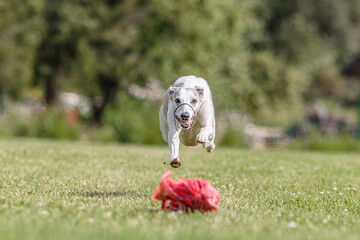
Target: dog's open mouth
{"x": 185, "y": 123}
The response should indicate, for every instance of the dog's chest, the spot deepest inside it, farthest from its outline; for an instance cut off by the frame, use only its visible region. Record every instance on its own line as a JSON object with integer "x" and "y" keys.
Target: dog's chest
{"x": 188, "y": 137}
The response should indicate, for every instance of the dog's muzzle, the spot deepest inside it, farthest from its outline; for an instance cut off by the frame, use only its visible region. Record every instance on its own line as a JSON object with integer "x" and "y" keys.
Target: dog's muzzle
{"x": 185, "y": 120}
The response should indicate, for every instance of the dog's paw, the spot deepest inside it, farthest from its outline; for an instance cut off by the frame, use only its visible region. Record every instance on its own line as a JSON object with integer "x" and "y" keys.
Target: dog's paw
{"x": 209, "y": 147}
{"x": 175, "y": 163}
{"x": 201, "y": 138}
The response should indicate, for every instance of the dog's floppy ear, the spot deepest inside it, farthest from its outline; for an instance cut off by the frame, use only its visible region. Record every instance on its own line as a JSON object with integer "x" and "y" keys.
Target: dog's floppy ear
{"x": 200, "y": 90}
{"x": 172, "y": 90}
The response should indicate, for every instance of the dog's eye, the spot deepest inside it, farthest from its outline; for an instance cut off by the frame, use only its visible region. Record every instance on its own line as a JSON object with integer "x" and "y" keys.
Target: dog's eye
{"x": 177, "y": 100}
{"x": 194, "y": 101}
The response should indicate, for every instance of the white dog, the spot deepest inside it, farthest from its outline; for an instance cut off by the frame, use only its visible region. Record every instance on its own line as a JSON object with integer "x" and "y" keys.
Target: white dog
{"x": 187, "y": 115}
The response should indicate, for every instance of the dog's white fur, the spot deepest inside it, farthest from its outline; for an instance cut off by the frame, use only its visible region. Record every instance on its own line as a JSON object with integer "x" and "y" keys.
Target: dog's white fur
{"x": 191, "y": 96}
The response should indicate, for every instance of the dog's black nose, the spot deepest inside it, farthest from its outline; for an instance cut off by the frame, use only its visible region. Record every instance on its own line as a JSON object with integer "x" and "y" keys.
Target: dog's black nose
{"x": 185, "y": 116}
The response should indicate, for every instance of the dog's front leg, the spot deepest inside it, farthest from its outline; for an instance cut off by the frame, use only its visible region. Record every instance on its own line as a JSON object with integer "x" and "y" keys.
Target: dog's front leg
{"x": 206, "y": 138}
{"x": 174, "y": 142}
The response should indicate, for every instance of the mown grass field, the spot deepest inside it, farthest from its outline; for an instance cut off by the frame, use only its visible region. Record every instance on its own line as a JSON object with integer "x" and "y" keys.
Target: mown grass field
{"x": 77, "y": 190}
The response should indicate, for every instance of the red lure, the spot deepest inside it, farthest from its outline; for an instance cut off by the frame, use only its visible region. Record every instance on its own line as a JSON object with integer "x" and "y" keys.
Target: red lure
{"x": 186, "y": 194}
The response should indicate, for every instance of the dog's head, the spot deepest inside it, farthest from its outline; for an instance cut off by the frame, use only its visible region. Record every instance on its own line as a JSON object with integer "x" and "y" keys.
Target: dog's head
{"x": 186, "y": 103}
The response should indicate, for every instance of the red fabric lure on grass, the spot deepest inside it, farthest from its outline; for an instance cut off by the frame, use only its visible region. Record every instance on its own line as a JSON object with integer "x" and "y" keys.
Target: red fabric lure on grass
{"x": 186, "y": 194}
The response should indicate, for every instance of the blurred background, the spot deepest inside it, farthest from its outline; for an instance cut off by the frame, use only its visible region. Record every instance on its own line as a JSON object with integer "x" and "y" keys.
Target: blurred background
{"x": 284, "y": 73}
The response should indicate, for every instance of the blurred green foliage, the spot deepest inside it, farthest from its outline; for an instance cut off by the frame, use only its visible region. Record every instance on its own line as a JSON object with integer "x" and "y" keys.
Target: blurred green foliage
{"x": 48, "y": 124}
{"x": 317, "y": 142}
{"x": 134, "y": 121}
{"x": 268, "y": 58}
{"x": 20, "y": 34}
{"x": 233, "y": 137}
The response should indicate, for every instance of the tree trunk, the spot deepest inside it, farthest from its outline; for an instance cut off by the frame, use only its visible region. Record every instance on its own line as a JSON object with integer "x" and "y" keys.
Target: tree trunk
{"x": 109, "y": 87}
{"x": 3, "y": 100}
{"x": 50, "y": 91}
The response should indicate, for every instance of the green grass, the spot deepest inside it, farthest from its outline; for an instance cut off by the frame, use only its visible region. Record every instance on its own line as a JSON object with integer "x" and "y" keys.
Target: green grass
{"x": 70, "y": 190}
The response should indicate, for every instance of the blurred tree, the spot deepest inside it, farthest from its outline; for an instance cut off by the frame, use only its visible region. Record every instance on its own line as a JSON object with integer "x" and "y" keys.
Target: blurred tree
{"x": 220, "y": 41}
{"x": 332, "y": 23}
{"x": 316, "y": 37}
{"x": 211, "y": 39}
{"x": 106, "y": 51}
{"x": 20, "y": 33}
{"x": 57, "y": 48}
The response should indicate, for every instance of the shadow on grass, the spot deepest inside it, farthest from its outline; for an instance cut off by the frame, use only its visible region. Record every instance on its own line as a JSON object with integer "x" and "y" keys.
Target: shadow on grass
{"x": 109, "y": 194}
